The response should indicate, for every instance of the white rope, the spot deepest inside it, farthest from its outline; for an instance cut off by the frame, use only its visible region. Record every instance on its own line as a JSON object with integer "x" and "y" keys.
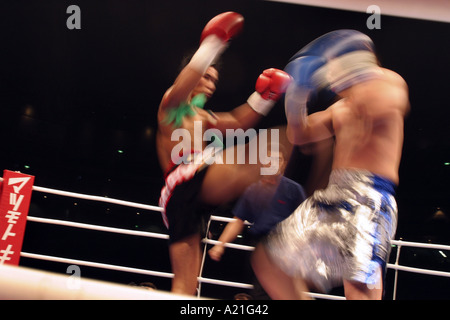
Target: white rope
{"x": 96, "y": 265}
{"x": 97, "y": 198}
{"x": 98, "y": 228}
{"x": 230, "y": 245}
{"x": 397, "y": 258}
{"x": 226, "y": 219}
{"x": 128, "y": 269}
{"x": 419, "y": 270}
{"x": 225, "y": 283}
{"x": 325, "y": 296}
{"x": 399, "y": 243}
{"x": 199, "y": 287}
{"x": 236, "y": 246}
{"x": 420, "y": 245}
{"x": 395, "y": 242}
{"x": 213, "y": 217}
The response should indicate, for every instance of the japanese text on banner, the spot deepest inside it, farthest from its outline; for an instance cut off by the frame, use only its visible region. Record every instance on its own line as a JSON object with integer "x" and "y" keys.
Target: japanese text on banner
{"x": 14, "y": 204}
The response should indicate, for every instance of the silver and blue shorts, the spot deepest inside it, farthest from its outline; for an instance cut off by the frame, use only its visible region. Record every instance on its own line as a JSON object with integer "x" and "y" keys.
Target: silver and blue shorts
{"x": 341, "y": 232}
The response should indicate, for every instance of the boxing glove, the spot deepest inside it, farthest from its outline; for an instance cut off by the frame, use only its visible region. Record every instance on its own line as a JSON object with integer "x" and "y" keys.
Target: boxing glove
{"x": 224, "y": 26}
{"x": 214, "y": 39}
{"x": 270, "y": 86}
{"x": 329, "y": 64}
{"x": 348, "y": 57}
{"x": 302, "y": 70}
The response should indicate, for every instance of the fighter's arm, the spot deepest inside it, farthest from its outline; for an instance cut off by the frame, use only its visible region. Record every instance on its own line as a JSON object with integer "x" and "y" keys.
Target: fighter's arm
{"x": 229, "y": 234}
{"x": 315, "y": 127}
{"x": 301, "y": 127}
{"x": 270, "y": 86}
{"x": 214, "y": 40}
{"x": 181, "y": 88}
{"x": 243, "y": 117}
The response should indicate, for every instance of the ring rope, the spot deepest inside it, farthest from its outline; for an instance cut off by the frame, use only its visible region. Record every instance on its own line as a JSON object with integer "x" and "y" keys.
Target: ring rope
{"x": 98, "y": 198}
{"x": 114, "y": 267}
{"x": 226, "y": 219}
{"x": 98, "y": 228}
{"x": 399, "y": 243}
{"x": 225, "y": 283}
{"x": 213, "y": 217}
{"x": 129, "y": 269}
{"x": 96, "y": 265}
{"x": 419, "y": 270}
{"x": 209, "y": 241}
{"x": 229, "y": 245}
{"x": 420, "y": 245}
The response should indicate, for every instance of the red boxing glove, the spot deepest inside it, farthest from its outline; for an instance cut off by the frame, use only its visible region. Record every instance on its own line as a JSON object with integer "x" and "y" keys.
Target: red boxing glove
{"x": 214, "y": 39}
{"x": 272, "y": 83}
{"x": 270, "y": 86}
{"x": 225, "y": 26}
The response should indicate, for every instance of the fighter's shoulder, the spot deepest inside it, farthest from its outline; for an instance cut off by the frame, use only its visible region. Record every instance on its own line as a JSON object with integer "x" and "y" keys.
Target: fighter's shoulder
{"x": 400, "y": 87}
{"x": 394, "y": 78}
{"x": 341, "y": 105}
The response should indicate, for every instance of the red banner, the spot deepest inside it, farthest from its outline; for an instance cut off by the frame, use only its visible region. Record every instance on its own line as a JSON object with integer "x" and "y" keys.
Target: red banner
{"x": 14, "y": 204}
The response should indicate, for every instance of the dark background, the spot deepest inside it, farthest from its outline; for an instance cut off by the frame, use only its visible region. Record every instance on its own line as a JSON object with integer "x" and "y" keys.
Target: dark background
{"x": 78, "y": 111}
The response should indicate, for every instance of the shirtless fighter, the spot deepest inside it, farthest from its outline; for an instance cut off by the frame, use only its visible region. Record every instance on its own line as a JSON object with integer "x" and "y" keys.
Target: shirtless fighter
{"x": 341, "y": 234}
{"x": 192, "y": 184}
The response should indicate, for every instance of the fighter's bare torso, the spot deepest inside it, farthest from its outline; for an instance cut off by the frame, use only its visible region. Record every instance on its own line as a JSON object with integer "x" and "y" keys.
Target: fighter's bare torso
{"x": 367, "y": 124}
{"x": 165, "y": 143}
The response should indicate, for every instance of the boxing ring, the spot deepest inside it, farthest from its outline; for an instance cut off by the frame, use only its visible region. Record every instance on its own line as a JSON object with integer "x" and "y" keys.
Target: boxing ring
{"x": 18, "y": 282}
